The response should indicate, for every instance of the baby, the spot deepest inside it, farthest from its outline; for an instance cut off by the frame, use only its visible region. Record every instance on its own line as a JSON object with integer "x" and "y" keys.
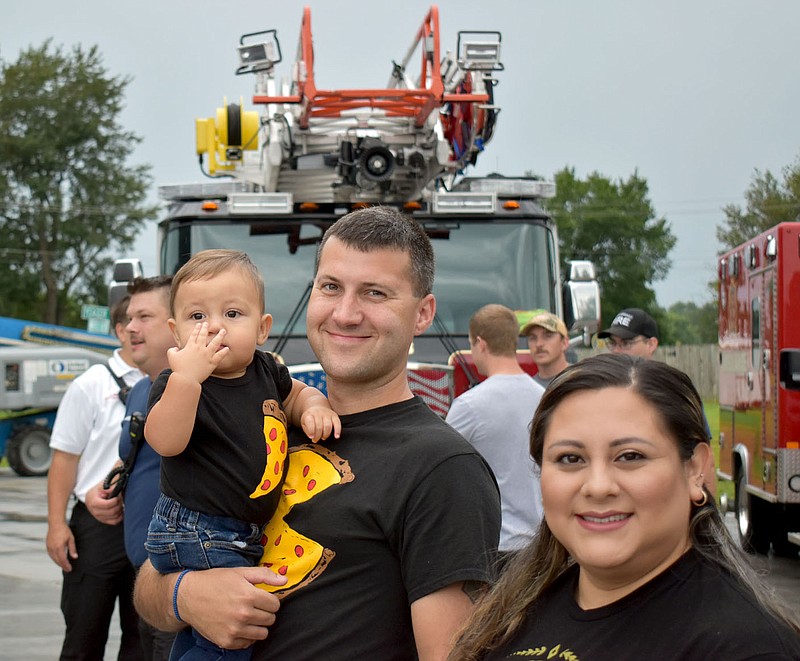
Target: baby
{"x": 218, "y": 419}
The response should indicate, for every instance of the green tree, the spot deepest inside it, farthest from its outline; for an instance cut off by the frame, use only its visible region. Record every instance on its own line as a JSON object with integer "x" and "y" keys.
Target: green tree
{"x": 70, "y": 202}
{"x": 614, "y": 225}
{"x": 689, "y": 323}
{"x": 768, "y": 201}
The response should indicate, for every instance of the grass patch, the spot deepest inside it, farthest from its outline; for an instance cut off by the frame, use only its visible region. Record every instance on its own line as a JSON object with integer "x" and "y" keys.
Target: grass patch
{"x": 712, "y": 415}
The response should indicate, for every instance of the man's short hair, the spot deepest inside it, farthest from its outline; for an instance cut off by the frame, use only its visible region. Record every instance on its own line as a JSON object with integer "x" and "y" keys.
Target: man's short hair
{"x": 210, "y": 263}
{"x": 549, "y": 322}
{"x": 153, "y": 283}
{"x": 143, "y": 285}
{"x": 387, "y": 228}
{"x": 630, "y": 323}
{"x": 497, "y": 325}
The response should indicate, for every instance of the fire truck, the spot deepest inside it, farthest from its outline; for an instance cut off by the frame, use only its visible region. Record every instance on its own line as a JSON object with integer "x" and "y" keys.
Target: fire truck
{"x": 759, "y": 386}
{"x": 281, "y": 175}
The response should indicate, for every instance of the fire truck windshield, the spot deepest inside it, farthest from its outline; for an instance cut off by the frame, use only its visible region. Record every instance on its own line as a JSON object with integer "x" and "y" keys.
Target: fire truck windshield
{"x": 476, "y": 263}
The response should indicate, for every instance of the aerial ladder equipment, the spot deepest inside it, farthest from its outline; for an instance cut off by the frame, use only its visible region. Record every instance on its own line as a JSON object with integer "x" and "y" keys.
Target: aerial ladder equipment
{"x": 283, "y": 174}
{"x": 393, "y": 144}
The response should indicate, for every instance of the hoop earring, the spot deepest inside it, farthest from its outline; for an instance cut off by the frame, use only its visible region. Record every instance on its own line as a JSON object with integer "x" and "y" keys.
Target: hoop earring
{"x": 701, "y": 502}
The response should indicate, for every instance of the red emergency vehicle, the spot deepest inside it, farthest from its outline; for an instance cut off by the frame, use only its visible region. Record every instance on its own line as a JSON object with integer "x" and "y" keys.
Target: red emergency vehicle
{"x": 759, "y": 386}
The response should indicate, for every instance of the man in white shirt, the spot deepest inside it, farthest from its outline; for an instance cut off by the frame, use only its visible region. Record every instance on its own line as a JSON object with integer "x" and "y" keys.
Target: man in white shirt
{"x": 91, "y": 554}
{"x": 494, "y": 417}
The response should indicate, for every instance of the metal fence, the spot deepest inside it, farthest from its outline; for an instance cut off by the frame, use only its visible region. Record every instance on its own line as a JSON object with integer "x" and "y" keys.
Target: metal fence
{"x": 699, "y": 361}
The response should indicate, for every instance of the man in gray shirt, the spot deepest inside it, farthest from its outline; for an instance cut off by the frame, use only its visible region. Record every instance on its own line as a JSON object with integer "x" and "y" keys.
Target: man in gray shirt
{"x": 494, "y": 417}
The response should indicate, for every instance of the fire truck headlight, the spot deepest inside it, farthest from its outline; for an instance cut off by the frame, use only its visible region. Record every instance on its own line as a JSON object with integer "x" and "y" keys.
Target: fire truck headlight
{"x": 794, "y": 483}
{"x": 376, "y": 162}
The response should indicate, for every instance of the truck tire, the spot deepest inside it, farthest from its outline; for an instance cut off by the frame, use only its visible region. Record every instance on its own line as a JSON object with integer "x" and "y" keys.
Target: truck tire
{"x": 28, "y": 450}
{"x": 752, "y": 520}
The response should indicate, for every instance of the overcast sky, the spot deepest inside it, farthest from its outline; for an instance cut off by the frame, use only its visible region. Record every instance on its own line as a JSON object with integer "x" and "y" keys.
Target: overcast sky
{"x": 695, "y": 95}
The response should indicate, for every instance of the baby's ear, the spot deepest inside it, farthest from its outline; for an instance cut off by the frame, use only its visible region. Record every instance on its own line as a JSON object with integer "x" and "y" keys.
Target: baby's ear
{"x": 264, "y": 327}
{"x": 173, "y": 328}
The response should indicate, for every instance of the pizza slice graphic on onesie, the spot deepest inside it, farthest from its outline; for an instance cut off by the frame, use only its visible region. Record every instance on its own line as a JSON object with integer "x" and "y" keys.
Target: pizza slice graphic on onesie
{"x": 277, "y": 446}
{"x": 312, "y": 469}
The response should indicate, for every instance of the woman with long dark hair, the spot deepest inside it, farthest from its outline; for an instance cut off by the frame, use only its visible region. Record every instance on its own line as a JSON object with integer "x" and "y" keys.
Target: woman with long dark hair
{"x": 632, "y": 559}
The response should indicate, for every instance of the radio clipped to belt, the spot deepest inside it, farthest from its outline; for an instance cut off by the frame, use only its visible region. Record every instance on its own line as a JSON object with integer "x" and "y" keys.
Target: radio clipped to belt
{"x": 117, "y": 478}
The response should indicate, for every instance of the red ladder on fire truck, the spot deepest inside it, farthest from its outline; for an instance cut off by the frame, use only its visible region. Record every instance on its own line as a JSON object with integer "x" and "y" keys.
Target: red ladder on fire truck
{"x": 382, "y": 144}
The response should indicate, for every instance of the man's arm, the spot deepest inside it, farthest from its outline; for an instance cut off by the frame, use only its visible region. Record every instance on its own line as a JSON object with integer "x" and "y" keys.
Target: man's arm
{"x": 223, "y": 605}
{"x": 437, "y": 618}
{"x": 454, "y": 519}
{"x": 60, "y": 483}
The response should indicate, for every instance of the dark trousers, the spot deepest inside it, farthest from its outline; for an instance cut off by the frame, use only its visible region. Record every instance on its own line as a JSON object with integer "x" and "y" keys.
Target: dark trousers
{"x": 101, "y": 575}
{"x": 155, "y": 643}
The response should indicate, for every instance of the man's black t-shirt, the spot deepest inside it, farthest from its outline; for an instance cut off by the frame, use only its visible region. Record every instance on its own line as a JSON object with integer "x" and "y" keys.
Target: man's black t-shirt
{"x": 397, "y": 508}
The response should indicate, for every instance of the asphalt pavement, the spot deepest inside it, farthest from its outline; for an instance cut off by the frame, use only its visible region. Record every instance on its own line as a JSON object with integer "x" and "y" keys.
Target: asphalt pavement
{"x": 31, "y": 625}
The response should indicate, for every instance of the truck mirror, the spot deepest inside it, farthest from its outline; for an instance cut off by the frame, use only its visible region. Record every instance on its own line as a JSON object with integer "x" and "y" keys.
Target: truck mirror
{"x": 582, "y": 306}
{"x": 125, "y": 271}
{"x": 581, "y": 298}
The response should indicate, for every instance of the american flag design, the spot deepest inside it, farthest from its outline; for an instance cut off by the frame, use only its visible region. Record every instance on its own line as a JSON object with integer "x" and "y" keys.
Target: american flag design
{"x": 431, "y": 382}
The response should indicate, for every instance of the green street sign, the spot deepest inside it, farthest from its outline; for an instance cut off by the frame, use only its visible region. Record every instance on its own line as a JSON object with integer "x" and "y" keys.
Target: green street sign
{"x": 94, "y": 312}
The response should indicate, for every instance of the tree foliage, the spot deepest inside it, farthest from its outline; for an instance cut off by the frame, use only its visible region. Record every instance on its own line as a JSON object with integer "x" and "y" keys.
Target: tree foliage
{"x": 768, "y": 201}
{"x": 614, "y": 225}
{"x": 70, "y": 202}
{"x": 689, "y": 323}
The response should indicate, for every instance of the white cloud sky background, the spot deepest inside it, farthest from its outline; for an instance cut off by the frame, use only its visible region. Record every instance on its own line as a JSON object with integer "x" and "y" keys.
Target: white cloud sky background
{"x": 693, "y": 94}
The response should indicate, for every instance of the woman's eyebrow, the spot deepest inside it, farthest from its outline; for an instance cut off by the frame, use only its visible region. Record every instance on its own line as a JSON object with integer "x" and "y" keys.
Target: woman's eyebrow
{"x": 567, "y": 442}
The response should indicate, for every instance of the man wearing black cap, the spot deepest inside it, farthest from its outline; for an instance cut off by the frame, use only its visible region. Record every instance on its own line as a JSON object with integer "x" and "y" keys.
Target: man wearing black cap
{"x": 634, "y": 332}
